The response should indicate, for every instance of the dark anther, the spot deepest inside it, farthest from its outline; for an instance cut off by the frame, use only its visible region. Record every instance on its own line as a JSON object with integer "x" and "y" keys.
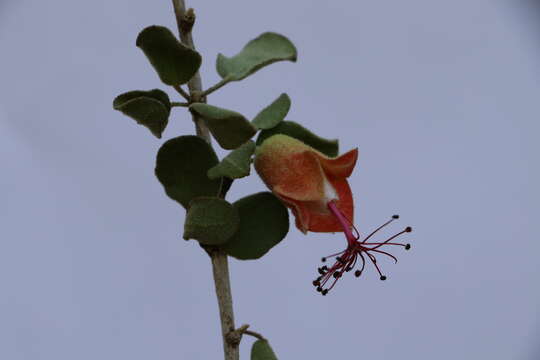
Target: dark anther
{"x": 321, "y": 271}
{"x": 407, "y": 246}
{"x": 325, "y": 267}
{"x": 337, "y": 275}
{"x": 319, "y": 289}
{"x": 324, "y": 292}
{"x": 395, "y": 216}
{"x": 319, "y": 278}
{"x": 340, "y": 260}
{"x": 383, "y": 277}
{"x": 408, "y": 229}
{"x": 357, "y": 273}
{"x": 323, "y": 259}
{"x": 316, "y": 283}
{"x": 349, "y": 268}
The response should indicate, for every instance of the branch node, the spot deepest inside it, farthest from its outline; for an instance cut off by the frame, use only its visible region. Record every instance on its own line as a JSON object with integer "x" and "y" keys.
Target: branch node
{"x": 235, "y": 336}
{"x": 187, "y": 21}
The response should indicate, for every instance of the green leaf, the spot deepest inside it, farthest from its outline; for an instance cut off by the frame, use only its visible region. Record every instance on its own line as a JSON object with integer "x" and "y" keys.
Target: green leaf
{"x": 274, "y": 113}
{"x": 264, "y": 222}
{"x": 174, "y": 62}
{"x": 261, "y": 350}
{"x": 268, "y": 48}
{"x": 149, "y": 108}
{"x": 181, "y": 167}
{"x": 210, "y": 220}
{"x": 235, "y": 165}
{"x": 230, "y": 128}
{"x": 297, "y": 131}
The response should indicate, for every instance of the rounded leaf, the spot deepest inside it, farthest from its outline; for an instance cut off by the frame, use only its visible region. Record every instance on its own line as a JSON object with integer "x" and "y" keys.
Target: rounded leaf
{"x": 264, "y": 222}
{"x": 174, "y": 62}
{"x": 210, "y": 220}
{"x": 261, "y": 350}
{"x": 266, "y": 49}
{"x": 235, "y": 165}
{"x": 290, "y": 128}
{"x": 274, "y": 113}
{"x": 149, "y": 108}
{"x": 229, "y": 128}
{"x": 181, "y": 167}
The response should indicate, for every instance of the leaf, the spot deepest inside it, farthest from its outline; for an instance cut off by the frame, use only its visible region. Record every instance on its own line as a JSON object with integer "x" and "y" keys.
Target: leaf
{"x": 149, "y": 108}
{"x": 268, "y": 48}
{"x": 230, "y": 128}
{"x": 274, "y": 113}
{"x": 261, "y": 350}
{"x": 264, "y": 222}
{"x": 210, "y": 220}
{"x": 181, "y": 167}
{"x": 174, "y": 62}
{"x": 297, "y": 131}
{"x": 235, "y": 165}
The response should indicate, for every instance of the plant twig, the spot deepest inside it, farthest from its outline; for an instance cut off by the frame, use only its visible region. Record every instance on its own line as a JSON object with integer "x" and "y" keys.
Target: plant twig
{"x": 211, "y": 89}
{"x": 176, "y": 103}
{"x": 185, "y": 18}
{"x": 255, "y": 334}
{"x": 236, "y": 335}
{"x": 220, "y": 267}
{"x": 182, "y": 92}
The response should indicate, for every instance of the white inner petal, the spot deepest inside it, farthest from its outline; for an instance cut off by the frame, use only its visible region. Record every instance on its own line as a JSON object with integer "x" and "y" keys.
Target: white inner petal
{"x": 329, "y": 191}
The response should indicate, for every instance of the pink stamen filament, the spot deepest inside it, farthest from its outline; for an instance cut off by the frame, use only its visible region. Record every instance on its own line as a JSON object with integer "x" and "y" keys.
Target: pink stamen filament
{"x": 346, "y": 259}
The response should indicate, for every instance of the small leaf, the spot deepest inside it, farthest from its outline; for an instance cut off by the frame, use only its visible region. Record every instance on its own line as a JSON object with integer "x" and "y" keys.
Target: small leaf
{"x": 264, "y": 222}
{"x": 261, "y": 350}
{"x": 268, "y": 48}
{"x": 297, "y": 131}
{"x": 181, "y": 167}
{"x": 149, "y": 108}
{"x": 230, "y": 128}
{"x": 174, "y": 62}
{"x": 210, "y": 220}
{"x": 274, "y": 113}
{"x": 235, "y": 165}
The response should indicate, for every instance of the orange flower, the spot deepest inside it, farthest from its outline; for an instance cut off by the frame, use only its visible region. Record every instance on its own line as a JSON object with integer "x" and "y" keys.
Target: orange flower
{"x": 306, "y": 181}
{"x": 315, "y": 188}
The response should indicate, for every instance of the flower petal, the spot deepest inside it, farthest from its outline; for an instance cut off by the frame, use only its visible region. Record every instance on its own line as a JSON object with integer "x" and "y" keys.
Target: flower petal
{"x": 340, "y": 167}
{"x": 297, "y": 176}
{"x": 322, "y": 220}
{"x": 315, "y": 216}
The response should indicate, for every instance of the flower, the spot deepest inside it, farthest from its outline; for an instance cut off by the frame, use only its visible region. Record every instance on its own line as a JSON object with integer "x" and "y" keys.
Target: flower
{"x": 306, "y": 180}
{"x": 315, "y": 188}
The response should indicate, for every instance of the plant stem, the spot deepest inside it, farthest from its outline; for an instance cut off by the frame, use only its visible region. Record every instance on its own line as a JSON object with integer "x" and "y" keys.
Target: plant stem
{"x": 220, "y": 267}
{"x": 220, "y": 84}
{"x": 185, "y": 18}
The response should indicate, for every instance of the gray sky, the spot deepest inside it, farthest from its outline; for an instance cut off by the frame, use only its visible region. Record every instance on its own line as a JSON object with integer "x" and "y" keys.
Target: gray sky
{"x": 440, "y": 97}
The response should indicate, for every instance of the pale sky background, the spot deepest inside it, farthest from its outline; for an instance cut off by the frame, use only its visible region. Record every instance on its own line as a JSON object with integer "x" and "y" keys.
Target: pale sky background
{"x": 440, "y": 97}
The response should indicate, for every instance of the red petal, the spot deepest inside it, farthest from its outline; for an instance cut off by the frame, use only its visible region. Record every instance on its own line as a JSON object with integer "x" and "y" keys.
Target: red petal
{"x": 315, "y": 216}
{"x": 298, "y": 177}
{"x": 342, "y": 166}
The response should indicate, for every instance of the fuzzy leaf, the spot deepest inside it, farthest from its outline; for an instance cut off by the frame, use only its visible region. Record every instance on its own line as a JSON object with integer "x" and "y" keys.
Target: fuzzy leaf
{"x": 174, "y": 62}
{"x": 274, "y": 113}
{"x": 264, "y": 222}
{"x": 266, "y": 49}
{"x": 149, "y": 108}
{"x": 210, "y": 220}
{"x": 235, "y": 165}
{"x": 181, "y": 167}
{"x": 297, "y": 131}
{"x": 230, "y": 128}
{"x": 261, "y": 350}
